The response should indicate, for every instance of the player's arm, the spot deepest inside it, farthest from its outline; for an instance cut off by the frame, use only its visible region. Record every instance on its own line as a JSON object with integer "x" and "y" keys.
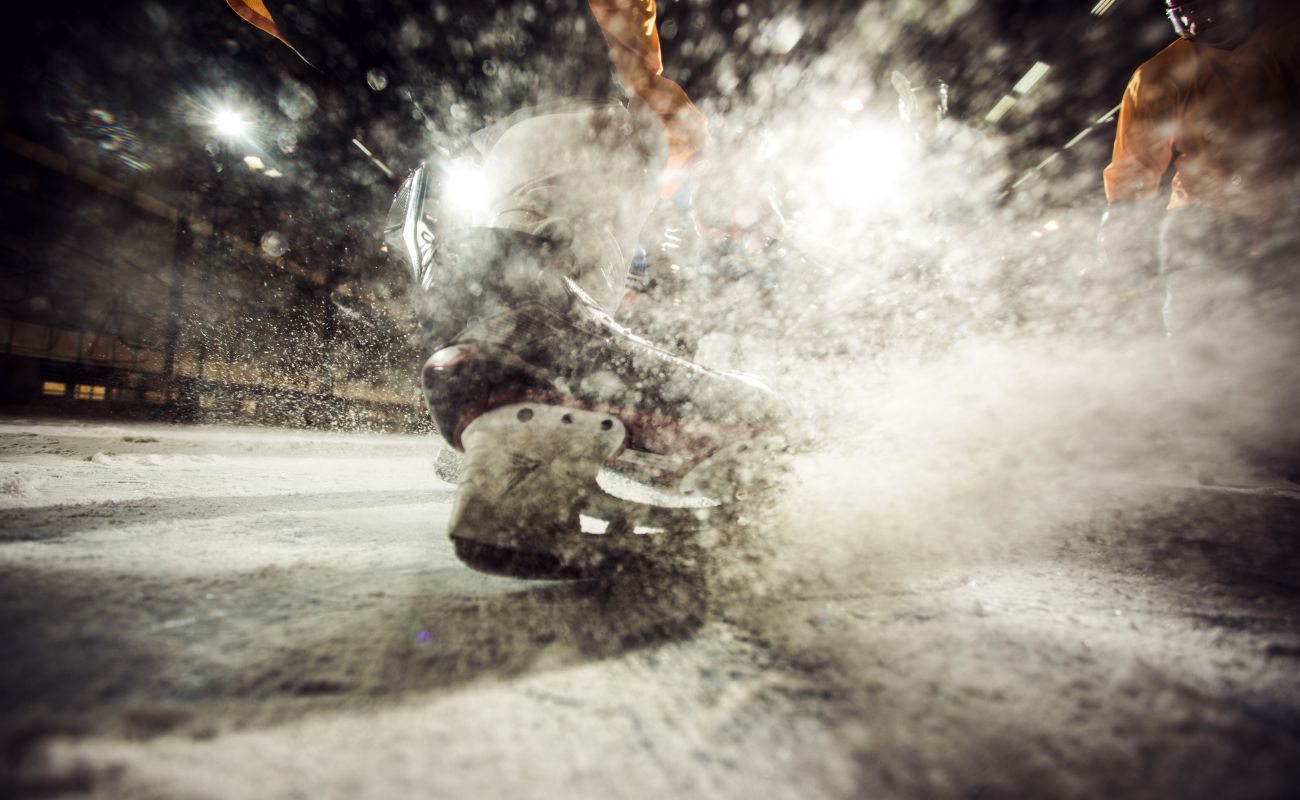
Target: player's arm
{"x": 1144, "y": 149}
{"x": 629, "y": 29}
{"x": 1144, "y": 142}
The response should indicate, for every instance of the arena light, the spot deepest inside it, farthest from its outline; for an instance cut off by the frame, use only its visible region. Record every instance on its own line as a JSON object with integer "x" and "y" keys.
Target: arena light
{"x": 1078, "y": 137}
{"x": 1102, "y": 7}
{"x": 865, "y": 167}
{"x": 372, "y": 157}
{"x": 467, "y": 188}
{"x": 1000, "y": 110}
{"x": 1109, "y": 116}
{"x": 1031, "y": 78}
{"x": 229, "y": 123}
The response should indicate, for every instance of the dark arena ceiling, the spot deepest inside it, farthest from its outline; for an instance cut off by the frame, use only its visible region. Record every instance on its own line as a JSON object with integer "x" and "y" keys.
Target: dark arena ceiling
{"x": 130, "y": 87}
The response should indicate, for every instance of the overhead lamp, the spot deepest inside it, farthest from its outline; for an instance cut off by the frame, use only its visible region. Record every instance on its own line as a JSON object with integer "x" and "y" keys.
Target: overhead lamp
{"x": 229, "y": 123}
{"x": 1031, "y": 78}
{"x": 1000, "y": 110}
{"x": 468, "y": 189}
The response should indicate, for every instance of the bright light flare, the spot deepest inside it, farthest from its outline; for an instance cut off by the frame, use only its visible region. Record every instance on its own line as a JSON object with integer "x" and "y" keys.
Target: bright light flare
{"x": 864, "y": 168}
{"x": 229, "y": 123}
{"x": 467, "y": 190}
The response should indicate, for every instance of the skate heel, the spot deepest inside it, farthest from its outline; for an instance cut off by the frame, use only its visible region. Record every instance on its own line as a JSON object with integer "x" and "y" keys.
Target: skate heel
{"x": 530, "y": 469}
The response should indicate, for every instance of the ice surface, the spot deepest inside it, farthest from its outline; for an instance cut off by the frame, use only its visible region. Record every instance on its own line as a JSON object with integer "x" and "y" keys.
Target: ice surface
{"x": 221, "y": 612}
{"x": 51, "y": 464}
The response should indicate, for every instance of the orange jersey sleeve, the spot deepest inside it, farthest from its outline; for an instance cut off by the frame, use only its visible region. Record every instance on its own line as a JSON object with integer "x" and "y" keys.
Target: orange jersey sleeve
{"x": 255, "y": 13}
{"x": 1225, "y": 118}
{"x": 1144, "y": 135}
{"x": 629, "y": 28}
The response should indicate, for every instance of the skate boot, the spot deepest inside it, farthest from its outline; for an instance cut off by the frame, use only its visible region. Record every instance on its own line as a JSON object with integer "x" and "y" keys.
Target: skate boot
{"x": 587, "y": 450}
{"x": 543, "y": 396}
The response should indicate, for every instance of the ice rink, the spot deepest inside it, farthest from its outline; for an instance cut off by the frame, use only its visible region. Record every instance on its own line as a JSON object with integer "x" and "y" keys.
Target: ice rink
{"x": 224, "y": 612}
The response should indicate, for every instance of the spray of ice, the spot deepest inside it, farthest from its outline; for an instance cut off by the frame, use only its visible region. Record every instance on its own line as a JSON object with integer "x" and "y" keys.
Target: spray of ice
{"x": 970, "y": 383}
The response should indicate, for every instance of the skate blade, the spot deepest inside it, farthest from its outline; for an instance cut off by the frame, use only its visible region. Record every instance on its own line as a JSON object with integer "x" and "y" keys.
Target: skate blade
{"x": 530, "y": 475}
{"x": 741, "y": 471}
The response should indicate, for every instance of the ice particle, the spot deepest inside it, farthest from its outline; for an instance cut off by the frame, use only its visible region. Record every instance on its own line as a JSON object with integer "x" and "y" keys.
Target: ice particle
{"x": 274, "y": 245}
{"x": 296, "y": 100}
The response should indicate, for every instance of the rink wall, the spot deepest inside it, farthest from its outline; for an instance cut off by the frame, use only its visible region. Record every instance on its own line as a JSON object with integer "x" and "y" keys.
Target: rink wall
{"x": 116, "y": 302}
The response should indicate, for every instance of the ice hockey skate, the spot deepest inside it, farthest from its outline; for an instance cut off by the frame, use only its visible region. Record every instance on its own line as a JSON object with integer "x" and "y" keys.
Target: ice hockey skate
{"x": 588, "y": 450}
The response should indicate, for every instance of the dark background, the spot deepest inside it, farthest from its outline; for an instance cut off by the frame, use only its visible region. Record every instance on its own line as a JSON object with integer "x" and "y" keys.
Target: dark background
{"x": 124, "y": 92}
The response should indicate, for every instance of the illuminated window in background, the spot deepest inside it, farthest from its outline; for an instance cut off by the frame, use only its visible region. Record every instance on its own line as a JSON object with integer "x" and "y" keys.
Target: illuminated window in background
{"x": 248, "y": 406}
{"x": 83, "y": 392}
{"x": 156, "y": 398}
{"x": 54, "y": 389}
